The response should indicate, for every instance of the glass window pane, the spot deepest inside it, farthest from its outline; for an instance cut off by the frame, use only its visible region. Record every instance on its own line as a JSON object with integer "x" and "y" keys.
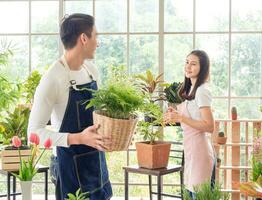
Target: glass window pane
{"x": 116, "y": 16}
{"x": 79, "y": 7}
{"x": 212, "y": 15}
{"x": 18, "y": 65}
{"x": 177, "y": 47}
{"x": 115, "y": 162}
{"x": 178, "y": 16}
{"x": 247, "y": 108}
{"x": 220, "y": 108}
{"x": 246, "y": 15}
{"x": 14, "y": 17}
{"x": 144, "y": 15}
{"x": 246, "y": 65}
{"x": 143, "y": 53}
{"x": 216, "y": 47}
{"x": 45, "y": 17}
{"x": 44, "y": 51}
{"x": 111, "y": 52}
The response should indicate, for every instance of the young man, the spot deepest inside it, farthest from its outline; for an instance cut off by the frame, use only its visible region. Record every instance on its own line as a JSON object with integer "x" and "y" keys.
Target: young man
{"x": 79, "y": 160}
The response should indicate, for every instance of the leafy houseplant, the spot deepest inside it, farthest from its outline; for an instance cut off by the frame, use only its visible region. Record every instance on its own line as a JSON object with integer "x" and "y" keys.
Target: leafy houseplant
{"x": 30, "y": 85}
{"x": 77, "y": 196}
{"x": 205, "y": 192}
{"x": 221, "y": 139}
{"x": 115, "y": 109}
{"x": 149, "y": 150}
{"x": 15, "y": 124}
{"x": 171, "y": 93}
{"x": 149, "y": 83}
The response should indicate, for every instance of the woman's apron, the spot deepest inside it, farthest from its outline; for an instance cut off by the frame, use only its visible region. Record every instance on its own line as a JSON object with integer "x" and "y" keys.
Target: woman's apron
{"x": 81, "y": 166}
{"x": 199, "y": 154}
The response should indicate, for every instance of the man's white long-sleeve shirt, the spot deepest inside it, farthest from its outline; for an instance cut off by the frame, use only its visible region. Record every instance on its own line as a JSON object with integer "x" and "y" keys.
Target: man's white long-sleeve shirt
{"x": 51, "y": 97}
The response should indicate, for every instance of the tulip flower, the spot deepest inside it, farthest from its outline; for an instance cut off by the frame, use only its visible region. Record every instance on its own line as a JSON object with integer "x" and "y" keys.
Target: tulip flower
{"x": 34, "y": 138}
{"x": 16, "y": 141}
{"x": 48, "y": 143}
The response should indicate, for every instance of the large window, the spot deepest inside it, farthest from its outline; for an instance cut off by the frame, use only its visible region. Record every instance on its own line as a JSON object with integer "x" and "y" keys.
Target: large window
{"x": 149, "y": 34}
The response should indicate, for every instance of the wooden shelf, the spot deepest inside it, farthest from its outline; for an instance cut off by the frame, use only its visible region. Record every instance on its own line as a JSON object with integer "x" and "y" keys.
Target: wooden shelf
{"x": 235, "y": 167}
{"x": 230, "y": 190}
{"x": 238, "y": 144}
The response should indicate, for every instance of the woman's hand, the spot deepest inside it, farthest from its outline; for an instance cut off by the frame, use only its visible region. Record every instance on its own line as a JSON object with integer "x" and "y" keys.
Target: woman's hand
{"x": 172, "y": 116}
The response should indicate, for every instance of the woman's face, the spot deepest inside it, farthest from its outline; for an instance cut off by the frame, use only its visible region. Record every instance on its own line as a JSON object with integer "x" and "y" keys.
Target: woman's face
{"x": 192, "y": 67}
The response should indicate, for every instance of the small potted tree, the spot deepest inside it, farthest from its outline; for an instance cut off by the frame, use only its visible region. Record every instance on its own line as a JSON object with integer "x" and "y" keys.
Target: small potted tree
{"x": 115, "y": 109}
{"x": 221, "y": 139}
{"x": 152, "y": 154}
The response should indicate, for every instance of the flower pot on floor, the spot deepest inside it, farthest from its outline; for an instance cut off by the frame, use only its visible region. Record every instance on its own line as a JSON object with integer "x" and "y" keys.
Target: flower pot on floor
{"x": 120, "y": 131}
{"x": 26, "y": 187}
{"x": 153, "y": 156}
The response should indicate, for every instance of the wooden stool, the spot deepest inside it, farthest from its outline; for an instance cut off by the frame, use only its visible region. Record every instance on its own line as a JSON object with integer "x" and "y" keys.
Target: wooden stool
{"x": 154, "y": 172}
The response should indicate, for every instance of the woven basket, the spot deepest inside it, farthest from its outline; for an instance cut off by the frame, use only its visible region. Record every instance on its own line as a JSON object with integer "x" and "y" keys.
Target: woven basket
{"x": 119, "y": 130}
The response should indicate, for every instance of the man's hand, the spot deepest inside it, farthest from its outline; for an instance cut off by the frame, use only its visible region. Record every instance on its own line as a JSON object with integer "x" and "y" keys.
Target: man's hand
{"x": 90, "y": 137}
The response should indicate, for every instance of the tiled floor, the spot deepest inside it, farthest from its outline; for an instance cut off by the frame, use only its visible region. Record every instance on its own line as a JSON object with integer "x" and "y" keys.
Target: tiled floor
{"x": 51, "y": 197}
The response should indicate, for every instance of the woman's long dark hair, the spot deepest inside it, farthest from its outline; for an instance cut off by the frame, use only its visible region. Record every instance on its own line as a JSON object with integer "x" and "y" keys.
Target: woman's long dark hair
{"x": 201, "y": 78}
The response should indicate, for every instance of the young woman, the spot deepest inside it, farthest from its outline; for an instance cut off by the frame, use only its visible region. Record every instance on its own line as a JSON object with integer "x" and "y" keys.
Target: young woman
{"x": 196, "y": 120}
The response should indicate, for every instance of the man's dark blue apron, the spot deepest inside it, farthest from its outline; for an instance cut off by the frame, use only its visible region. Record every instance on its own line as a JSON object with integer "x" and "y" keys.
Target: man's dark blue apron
{"x": 81, "y": 166}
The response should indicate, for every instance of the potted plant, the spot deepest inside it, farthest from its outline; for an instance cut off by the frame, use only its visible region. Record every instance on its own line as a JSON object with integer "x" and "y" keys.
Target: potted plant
{"x": 152, "y": 154}
{"x": 171, "y": 93}
{"x": 77, "y": 196}
{"x": 148, "y": 83}
{"x": 221, "y": 139}
{"x": 30, "y": 85}
{"x": 218, "y": 162}
{"x": 15, "y": 124}
{"x": 204, "y": 192}
{"x": 234, "y": 113}
{"x": 115, "y": 106}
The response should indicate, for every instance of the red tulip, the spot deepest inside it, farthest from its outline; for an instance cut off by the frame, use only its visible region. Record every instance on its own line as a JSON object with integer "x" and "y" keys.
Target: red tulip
{"x": 48, "y": 143}
{"x": 16, "y": 141}
{"x": 34, "y": 138}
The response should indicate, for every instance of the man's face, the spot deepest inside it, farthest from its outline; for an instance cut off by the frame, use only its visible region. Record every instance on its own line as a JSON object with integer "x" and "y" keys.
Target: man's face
{"x": 90, "y": 44}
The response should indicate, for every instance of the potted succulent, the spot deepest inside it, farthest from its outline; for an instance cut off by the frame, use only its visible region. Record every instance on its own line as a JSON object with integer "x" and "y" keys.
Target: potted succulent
{"x": 115, "y": 109}
{"x": 221, "y": 139}
{"x": 234, "y": 113}
{"x": 218, "y": 162}
{"x": 152, "y": 154}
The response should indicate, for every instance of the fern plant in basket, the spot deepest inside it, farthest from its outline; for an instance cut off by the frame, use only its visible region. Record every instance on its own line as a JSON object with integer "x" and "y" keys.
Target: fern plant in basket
{"x": 115, "y": 106}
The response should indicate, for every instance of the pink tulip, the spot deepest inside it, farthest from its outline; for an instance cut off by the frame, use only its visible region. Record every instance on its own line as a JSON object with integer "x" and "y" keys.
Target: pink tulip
{"x": 48, "y": 143}
{"x": 34, "y": 138}
{"x": 16, "y": 141}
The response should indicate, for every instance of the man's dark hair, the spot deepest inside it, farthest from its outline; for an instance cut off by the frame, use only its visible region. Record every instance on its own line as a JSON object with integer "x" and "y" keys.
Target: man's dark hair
{"x": 74, "y": 25}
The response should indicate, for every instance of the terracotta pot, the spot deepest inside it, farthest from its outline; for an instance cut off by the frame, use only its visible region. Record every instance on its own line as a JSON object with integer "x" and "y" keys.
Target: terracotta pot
{"x": 221, "y": 140}
{"x": 153, "y": 156}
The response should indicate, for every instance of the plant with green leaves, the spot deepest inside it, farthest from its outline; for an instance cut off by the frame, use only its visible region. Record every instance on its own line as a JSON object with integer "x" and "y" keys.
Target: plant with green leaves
{"x": 148, "y": 83}
{"x": 30, "y": 85}
{"x": 119, "y": 98}
{"x": 150, "y": 129}
{"x": 206, "y": 192}
{"x": 78, "y": 195}
{"x": 15, "y": 124}
{"x": 171, "y": 93}
{"x": 5, "y": 52}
